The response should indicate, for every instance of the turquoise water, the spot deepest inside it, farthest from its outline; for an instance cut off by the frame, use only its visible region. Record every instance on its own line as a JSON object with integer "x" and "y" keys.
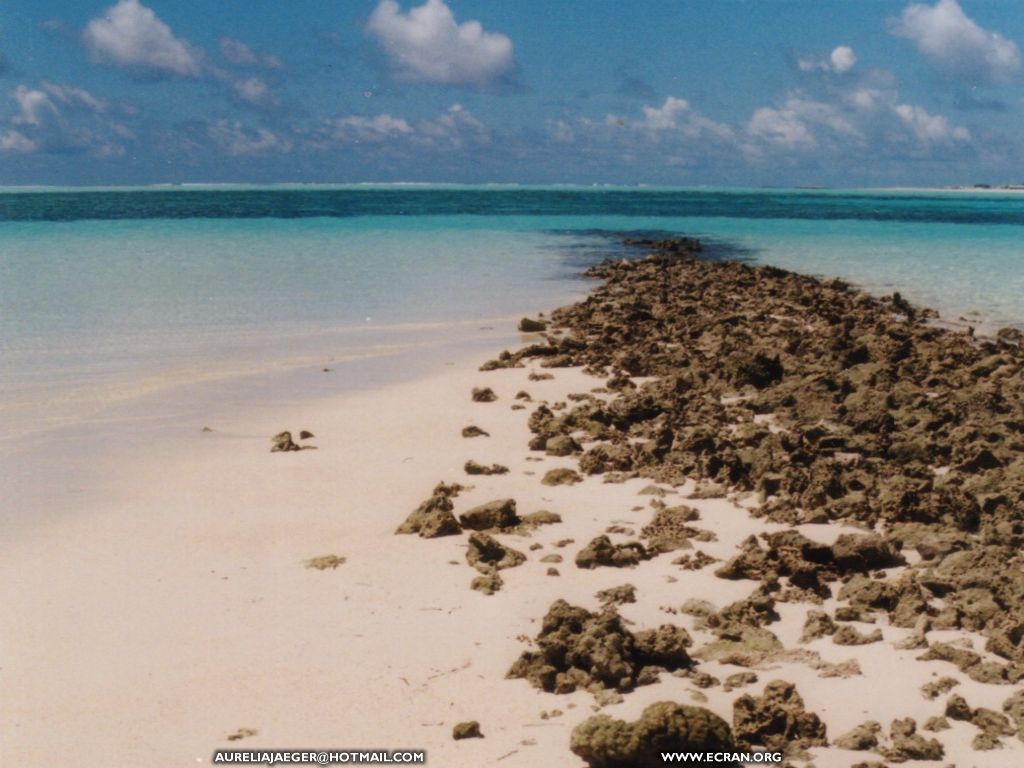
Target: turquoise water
{"x": 110, "y": 295}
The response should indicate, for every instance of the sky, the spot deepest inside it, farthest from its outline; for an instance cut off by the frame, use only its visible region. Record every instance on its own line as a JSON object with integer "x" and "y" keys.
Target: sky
{"x": 659, "y": 92}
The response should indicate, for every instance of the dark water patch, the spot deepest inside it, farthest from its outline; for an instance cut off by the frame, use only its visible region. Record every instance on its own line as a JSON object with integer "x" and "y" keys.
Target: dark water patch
{"x": 587, "y": 247}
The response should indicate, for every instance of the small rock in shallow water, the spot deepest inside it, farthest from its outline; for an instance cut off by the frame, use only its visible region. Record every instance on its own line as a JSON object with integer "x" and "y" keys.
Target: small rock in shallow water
{"x": 526, "y": 325}
{"x": 861, "y": 738}
{"x": 473, "y": 468}
{"x": 938, "y": 687}
{"x": 848, "y": 635}
{"x": 817, "y": 624}
{"x": 434, "y": 518}
{"x": 561, "y": 476}
{"x": 560, "y": 445}
{"x": 489, "y": 583}
{"x": 542, "y": 517}
{"x": 617, "y": 595}
{"x": 601, "y": 551}
{"x": 283, "y": 442}
{"x": 474, "y": 431}
{"x": 494, "y": 515}
{"x": 486, "y": 553}
{"x": 323, "y": 562}
{"x": 305, "y": 434}
{"x": 739, "y": 680}
{"x": 467, "y": 730}
{"x": 484, "y": 395}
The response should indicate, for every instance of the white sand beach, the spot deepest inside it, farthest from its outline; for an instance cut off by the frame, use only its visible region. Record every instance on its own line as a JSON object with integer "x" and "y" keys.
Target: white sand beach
{"x": 176, "y": 610}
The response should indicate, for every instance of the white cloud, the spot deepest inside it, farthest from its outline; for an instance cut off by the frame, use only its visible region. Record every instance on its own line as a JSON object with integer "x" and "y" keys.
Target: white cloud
{"x": 42, "y": 125}
{"x": 453, "y": 128}
{"x": 75, "y": 97}
{"x": 780, "y": 126}
{"x": 955, "y": 44}
{"x": 13, "y": 141}
{"x": 236, "y": 139}
{"x": 237, "y": 52}
{"x": 253, "y": 91}
{"x": 34, "y": 106}
{"x": 667, "y": 115}
{"x": 842, "y": 58}
{"x": 241, "y": 55}
{"x": 427, "y": 45}
{"x": 370, "y": 129}
{"x": 928, "y": 128}
{"x": 792, "y": 123}
{"x": 840, "y": 61}
{"x": 675, "y": 117}
{"x": 869, "y": 118}
{"x": 130, "y": 35}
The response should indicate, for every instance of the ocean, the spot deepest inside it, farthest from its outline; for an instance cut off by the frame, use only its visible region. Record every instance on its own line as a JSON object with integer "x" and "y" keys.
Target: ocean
{"x": 113, "y": 299}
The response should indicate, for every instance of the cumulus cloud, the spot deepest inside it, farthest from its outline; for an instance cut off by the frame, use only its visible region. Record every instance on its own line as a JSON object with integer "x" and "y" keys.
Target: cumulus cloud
{"x": 61, "y": 119}
{"x": 427, "y": 45}
{"x": 928, "y": 128}
{"x": 14, "y": 141}
{"x": 955, "y": 44}
{"x": 780, "y": 126}
{"x": 357, "y": 128}
{"x": 253, "y": 91}
{"x": 867, "y": 118}
{"x": 237, "y": 139}
{"x": 132, "y": 36}
{"x": 675, "y": 117}
{"x": 840, "y": 61}
{"x": 241, "y": 55}
{"x": 454, "y": 128}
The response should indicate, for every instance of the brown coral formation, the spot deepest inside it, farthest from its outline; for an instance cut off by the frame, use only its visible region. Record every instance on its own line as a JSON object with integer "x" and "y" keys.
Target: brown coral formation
{"x": 596, "y": 651}
{"x": 603, "y": 742}
{"x": 601, "y": 551}
{"x": 494, "y": 515}
{"x": 776, "y": 720}
{"x": 831, "y": 405}
{"x": 434, "y": 516}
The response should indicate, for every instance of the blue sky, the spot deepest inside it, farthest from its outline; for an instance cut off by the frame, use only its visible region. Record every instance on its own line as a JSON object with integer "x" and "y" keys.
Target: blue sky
{"x": 762, "y": 92}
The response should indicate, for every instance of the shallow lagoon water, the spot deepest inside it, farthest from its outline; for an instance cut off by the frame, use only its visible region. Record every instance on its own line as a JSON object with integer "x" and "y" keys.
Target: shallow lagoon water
{"x": 110, "y": 296}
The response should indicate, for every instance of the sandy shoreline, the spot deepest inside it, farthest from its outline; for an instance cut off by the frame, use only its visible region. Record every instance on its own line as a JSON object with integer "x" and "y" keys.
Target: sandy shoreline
{"x": 176, "y": 610}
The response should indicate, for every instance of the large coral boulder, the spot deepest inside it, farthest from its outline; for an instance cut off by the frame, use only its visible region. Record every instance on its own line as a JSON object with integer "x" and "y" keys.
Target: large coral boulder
{"x": 776, "y": 720}
{"x": 597, "y": 651}
{"x": 855, "y": 552}
{"x": 603, "y": 742}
